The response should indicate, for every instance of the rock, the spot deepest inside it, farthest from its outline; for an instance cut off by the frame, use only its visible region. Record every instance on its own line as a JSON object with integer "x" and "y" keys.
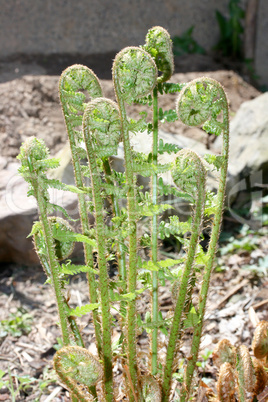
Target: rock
{"x": 248, "y": 167}
{"x": 18, "y": 212}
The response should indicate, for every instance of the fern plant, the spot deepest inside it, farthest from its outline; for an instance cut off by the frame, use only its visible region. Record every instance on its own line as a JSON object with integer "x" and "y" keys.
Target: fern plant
{"x": 95, "y": 126}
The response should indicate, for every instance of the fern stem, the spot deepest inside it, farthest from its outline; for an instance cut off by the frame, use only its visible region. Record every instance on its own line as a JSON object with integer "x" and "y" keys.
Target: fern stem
{"x": 103, "y": 274}
{"x": 134, "y": 76}
{"x": 132, "y": 268}
{"x": 81, "y": 197}
{"x": 211, "y": 251}
{"x": 121, "y": 255}
{"x": 184, "y": 285}
{"x": 154, "y": 231}
{"x": 53, "y": 263}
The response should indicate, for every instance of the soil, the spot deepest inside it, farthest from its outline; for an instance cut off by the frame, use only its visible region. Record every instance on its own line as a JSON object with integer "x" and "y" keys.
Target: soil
{"x": 29, "y": 102}
{"x": 29, "y": 106}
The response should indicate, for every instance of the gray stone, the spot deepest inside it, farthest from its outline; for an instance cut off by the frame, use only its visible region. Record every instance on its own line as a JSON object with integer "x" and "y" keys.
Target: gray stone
{"x": 248, "y": 147}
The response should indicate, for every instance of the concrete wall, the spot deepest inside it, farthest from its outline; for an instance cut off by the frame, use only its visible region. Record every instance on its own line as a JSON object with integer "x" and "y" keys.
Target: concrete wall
{"x": 99, "y": 26}
{"x": 261, "y": 55}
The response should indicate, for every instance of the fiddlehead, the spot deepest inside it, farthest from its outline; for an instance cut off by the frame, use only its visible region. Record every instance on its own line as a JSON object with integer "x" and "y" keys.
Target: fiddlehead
{"x": 104, "y": 126}
{"x": 224, "y": 353}
{"x": 201, "y": 102}
{"x": 226, "y": 383}
{"x": 34, "y": 164}
{"x": 189, "y": 175}
{"x": 150, "y": 389}
{"x": 134, "y": 76}
{"x": 204, "y": 102}
{"x": 95, "y": 127}
{"x": 78, "y": 369}
{"x": 260, "y": 340}
{"x": 159, "y": 45}
{"x": 246, "y": 377}
{"x": 73, "y": 81}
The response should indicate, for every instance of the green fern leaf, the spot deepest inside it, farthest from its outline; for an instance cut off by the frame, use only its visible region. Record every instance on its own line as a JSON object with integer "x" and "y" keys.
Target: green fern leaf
{"x": 87, "y": 308}
{"x": 72, "y": 269}
{"x": 171, "y": 88}
{"x": 167, "y": 147}
{"x": 61, "y": 235}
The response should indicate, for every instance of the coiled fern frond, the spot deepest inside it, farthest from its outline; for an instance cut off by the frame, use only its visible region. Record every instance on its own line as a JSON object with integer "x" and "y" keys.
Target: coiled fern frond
{"x": 159, "y": 45}
{"x": 201, "y": 102}
{"x": 134, "y": 73}
{"x": 103, "y": 124}
{"x": 78, "y": 369}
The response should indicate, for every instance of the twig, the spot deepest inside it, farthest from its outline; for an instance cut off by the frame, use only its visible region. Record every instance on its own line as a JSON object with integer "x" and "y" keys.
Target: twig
{"x": 10, "y": 360}
{"x": 130, "y": 382}
{"x": 19, "y": 357}
{"x": 262, "y": 303}
{"x": 53, "y": 394}
{"x": 253, "y": 317}
{"x": 28, "y": 346}
{"x": 228, "y": 295}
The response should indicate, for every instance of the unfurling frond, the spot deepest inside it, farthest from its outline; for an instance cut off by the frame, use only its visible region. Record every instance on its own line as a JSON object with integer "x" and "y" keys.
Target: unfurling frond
{"x": 134, "y": 73}
{"x": 189, "y": 173}
{"x": 246, "y": 377}
{"x": 159, "y": 45}
{"x": 63, "y": 249}
{"x": 151, "y": 390}
{"x": 226, "y": 383}
{"x": 260, "y": 340}
{"x": 102, "y": 126}
{"x": 224, "y": 353}
{"x": 77, "y": 369}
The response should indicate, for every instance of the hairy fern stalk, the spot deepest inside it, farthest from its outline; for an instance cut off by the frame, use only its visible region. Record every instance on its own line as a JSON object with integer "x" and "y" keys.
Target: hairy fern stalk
{"x": 95, "y": 127}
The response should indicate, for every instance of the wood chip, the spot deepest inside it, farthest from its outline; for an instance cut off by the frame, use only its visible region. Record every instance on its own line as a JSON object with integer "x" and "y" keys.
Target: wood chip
{"x": 56, "y": 391}
{"x": 260, "y": 304}
{"x": 229, "y": 294}
{"x": 27, "y": 356}
{"x": 253, "y": 317}
{"x": 28, "y": 346}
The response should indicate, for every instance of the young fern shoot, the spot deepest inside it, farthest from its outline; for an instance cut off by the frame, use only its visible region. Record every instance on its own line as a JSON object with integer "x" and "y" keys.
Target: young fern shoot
{"x": 189, "y": 175}
{"x": 203, "y": 102}
{"x": 34, "y": 164}
{"x": 134, "y": 76}
{"x": 72, "y": 81}
{"x": 101, "y": 129}
{"x": 78, "y": 369}
{"x": 159, "y": 46}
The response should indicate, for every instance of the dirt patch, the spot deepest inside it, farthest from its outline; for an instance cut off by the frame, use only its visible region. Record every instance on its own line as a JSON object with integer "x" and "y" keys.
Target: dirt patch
{"x": 233, "y": 292}
{"x": 29, "y": 105}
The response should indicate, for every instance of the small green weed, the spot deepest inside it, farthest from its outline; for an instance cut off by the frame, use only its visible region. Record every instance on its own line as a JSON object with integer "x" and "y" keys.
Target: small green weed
{"x": 230, "y": 43}
{"x": 17, "y": 324}
{"x": 24, "y": 383}
{"x": 247, "y": 243}
{"x": 27, "y": 384}
{"x": 186, "y": 44}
